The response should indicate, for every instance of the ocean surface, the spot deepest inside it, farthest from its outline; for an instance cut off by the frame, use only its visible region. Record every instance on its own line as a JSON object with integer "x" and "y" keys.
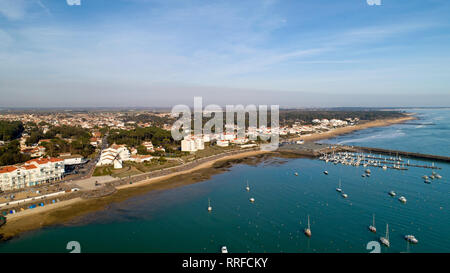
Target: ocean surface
{"x": 177, "y": 220}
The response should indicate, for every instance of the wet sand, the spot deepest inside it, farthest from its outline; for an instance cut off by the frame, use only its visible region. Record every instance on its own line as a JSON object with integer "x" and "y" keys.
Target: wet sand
{"x": 66, "y": 211}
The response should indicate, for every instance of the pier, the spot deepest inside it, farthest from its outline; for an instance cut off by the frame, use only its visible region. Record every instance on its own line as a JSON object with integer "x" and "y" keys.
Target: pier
{"x": 434, "y": 158}
{"x": 311, "y": 149}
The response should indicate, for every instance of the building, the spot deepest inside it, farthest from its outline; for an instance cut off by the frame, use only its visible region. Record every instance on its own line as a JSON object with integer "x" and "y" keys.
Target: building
{"x": 192, "y": 144}
{"x": 188, "y": 145}
{"x": 222, "y": 143}
{"x": 33, "y": 172}
{"x": 149, "y": 146}
{"x": 114, "y": 155}
{"x": 141, "y": 158}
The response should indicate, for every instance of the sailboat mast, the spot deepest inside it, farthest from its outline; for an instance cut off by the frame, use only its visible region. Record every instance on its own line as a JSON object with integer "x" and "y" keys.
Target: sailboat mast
{"x": 387, "y": 232}
{"x": 308, "y": 223}
{"x": 373, "y": 220}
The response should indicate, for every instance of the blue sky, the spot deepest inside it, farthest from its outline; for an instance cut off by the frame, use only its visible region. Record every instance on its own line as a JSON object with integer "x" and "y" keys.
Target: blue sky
{"x": 163, "y": 52}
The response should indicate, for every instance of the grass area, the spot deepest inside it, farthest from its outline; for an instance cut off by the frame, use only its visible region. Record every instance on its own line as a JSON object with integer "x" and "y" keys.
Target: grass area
{"x": 103, "y": 170}
{"x": 133, "y": 168}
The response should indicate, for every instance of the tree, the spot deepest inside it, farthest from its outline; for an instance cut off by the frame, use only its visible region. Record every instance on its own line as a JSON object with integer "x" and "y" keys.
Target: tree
{"x": 10, "y": 130}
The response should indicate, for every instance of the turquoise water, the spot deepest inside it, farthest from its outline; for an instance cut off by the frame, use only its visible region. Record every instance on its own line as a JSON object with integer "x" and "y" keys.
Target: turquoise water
{"x": 429, "y": 134}
{"x": 177, "y": 220}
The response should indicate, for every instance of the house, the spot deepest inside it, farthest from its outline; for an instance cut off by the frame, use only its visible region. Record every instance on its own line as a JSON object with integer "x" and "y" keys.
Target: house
{"x": 222, "y": 143}
{"x": 149, "y": 146}
{"x": 141, "y": 158}
{"x": 94, "y": 141}
{"x": 38, "y": 151}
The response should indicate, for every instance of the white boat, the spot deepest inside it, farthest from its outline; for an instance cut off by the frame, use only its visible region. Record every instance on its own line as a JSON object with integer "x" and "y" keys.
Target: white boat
{"x": 248, "y": 187}
{"x": 411, "y": 239}
{"x": 368, "y": 171}
{"x": 372, "y": 228}
{"x": 209, "y": 205}
{"x": 384, "y": 167}
{"x": 344, "y": 195}
{"x": 385, "y": 240}
{"x": 392, "y": 193}
{"x": 363, "y": 175}
{"x": 252, "y": 199}
{"x": 325, "y": 172}
{"x": 224, "y": 249}
{"x": 296, "y": 174}
{"x": 402, "y": 199}
{"x": 338, "y": 189}
{"x": 426, "y": 181}
{"x": 308, "y": 229}
{"x": 438, "y": 176}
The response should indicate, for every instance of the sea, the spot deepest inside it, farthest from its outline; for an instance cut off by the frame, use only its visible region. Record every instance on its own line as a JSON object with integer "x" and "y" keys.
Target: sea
{"x": 177, "y": 220}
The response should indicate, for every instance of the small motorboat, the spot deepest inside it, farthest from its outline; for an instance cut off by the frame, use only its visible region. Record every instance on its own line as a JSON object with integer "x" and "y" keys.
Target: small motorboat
{"x": 325, "y": 172}
{"x": 402, "y": 199}
{"x": 392, "y": 193}
{"x": 224, "y": 249}
{"x": 344, "y": 195}
{"x": 411, "y": 239}
{"x": 296, "y": 173}
{"x": 252, "y": 200}
{"x": 427, "y": 181}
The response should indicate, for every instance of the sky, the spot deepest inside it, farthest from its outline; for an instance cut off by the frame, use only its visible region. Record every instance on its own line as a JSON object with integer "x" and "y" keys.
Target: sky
{"x": 295, "y": 53}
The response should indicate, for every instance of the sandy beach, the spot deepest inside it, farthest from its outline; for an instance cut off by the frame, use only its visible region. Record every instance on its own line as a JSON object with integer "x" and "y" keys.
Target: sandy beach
{"x": 350, "y": 129}
{"x": 68, "y": 210}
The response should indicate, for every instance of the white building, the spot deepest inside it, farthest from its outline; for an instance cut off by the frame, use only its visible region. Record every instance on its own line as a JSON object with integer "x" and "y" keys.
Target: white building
{"x": 32, "y": 173}
{"x": 222, "y": 143}
{"x": 192, "y": 144}
{"x": 115, "y": 155}
{"x": 141, "y": 158}
{"x": 149, "y": 146}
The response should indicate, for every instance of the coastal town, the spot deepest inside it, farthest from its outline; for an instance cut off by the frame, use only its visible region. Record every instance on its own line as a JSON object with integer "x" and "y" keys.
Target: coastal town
{"x": 51, "y": 157}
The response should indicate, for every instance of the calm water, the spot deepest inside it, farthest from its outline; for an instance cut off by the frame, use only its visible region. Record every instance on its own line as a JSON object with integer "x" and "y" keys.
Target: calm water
{"x": 177, "y": 220}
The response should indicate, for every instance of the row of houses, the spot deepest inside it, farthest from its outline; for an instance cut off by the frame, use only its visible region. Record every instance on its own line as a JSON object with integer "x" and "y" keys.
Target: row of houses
{"x": 31, "y": 173}
{"x": 193, "y": 143}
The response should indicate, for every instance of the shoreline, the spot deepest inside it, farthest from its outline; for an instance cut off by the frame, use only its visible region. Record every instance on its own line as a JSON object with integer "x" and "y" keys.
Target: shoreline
{"x": 68, "y": 210}
{"x": 351, "y": 129}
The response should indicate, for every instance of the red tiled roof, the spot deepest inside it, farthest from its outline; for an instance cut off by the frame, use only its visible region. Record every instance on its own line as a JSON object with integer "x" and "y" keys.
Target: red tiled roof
{"x": 41, "y": 161}
{"x": 7, "y": 169}
{"x": 29, "y": 167}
